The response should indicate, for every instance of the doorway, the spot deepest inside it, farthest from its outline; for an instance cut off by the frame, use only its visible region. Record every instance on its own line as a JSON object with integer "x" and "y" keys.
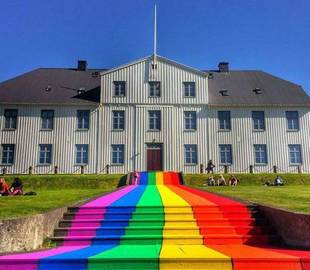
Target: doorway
{"x": 154, "y": 157}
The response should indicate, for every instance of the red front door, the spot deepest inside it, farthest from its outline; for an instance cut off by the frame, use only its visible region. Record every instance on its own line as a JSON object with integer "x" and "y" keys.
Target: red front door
{"x": 154, "y": 157}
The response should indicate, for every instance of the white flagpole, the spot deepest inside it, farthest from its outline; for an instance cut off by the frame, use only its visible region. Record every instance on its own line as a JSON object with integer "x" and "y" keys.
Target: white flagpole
{"x": 155, "y": 32}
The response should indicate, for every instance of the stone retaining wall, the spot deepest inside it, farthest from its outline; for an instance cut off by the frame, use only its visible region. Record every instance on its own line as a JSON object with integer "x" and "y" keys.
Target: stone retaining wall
{"x": 28, "y": 233}
{"x": 293, "y": 228}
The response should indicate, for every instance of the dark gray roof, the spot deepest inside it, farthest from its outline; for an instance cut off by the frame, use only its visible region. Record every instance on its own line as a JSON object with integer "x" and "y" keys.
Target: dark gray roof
{"x": 64, "y": 83}
{"x": 240, "y": 85}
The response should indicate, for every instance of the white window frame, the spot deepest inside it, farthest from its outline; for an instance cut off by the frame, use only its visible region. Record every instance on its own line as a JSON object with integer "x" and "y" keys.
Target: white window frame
{"x": 192, "y": 150}
{"x": 45, "y": 152}
{"x": 117, "y": 116}
{"x": 189, "y": 89}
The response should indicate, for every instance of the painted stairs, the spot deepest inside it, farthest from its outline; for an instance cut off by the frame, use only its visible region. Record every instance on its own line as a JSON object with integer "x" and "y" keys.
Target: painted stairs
{"x": 157, "y": 223}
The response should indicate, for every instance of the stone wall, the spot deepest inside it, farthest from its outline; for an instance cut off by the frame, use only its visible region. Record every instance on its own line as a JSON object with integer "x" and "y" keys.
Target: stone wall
{"x": 28, "y": 233}
{"x": 293, "y": 228}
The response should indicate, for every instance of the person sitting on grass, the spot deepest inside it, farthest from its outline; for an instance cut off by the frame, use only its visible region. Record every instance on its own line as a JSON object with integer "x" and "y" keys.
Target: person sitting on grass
{"x": 233, "y": 181}
{"x": 16, "y": 188}
{"x": 278, "y": 181}
{"x": 4, "y": 188}
{"x": 210, "y": 181}
{"x": 221, "y": 181}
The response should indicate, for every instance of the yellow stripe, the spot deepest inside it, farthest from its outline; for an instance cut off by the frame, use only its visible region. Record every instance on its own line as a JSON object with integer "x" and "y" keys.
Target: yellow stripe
{"x": 182, "y": 246}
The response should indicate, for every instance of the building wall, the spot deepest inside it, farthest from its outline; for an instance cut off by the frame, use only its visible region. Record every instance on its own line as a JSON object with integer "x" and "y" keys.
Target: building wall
{"x": 63, "y": 137}
{"x": 136, "y": 135}
{"x": 242, "y": 137}
{"x": 139, "y": 74}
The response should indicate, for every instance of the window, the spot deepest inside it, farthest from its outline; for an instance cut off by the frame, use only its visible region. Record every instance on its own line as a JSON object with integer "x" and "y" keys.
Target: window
{"x": 295, "y": 153}
{"x": 83, "y": 119}
{"x": 117, "y": 154}
{"x": 154, "y": 89}
{"x": 10, "y": 116}
{"x": 260, "y": 153}
{"x": 45, "y": 154}
{"x": 225, "y": 154}
{"x": 189, "y": 89}
{"x": 81, "y": 154}
{"x": 190, "y": 153}
{"x": 47, "y": 117}
{"x": 118, "y": 120}
{"x": 224, "y": 120}
{"x": 8, "y": 154}
{"x": 292, "y": 120}
{"x": 119, "y": 88}
{"x": 190, "y": 120}
{"x": 258, "y": 120}
{"x": 154, "y": 120}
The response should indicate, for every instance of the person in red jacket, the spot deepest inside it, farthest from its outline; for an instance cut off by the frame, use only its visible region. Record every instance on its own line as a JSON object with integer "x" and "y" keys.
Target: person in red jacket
{"x": 4, "y": 188}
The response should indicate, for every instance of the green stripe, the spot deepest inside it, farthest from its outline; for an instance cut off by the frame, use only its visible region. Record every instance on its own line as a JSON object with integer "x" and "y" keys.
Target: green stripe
{"x": 145, "y": 251}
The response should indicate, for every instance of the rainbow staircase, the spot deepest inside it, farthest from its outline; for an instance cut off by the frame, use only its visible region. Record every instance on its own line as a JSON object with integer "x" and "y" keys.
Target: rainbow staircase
{"x": 157, "y": 223}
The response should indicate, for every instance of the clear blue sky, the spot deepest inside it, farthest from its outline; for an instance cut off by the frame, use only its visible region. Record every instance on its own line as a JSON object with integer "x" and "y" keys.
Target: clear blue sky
{"x": 270, "y": 35}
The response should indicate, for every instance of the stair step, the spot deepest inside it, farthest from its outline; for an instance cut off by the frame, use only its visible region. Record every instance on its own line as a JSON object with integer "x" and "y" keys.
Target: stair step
{"x": 196, "y": 239}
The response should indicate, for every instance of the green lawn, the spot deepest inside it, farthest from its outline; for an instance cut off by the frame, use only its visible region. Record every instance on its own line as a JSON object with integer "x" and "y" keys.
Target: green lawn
{"x": 55, "y": 191}
{"x": 294, "y": 197}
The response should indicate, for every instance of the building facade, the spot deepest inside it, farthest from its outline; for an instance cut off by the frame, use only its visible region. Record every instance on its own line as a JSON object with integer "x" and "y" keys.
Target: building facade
{"x": 152, "y": 114}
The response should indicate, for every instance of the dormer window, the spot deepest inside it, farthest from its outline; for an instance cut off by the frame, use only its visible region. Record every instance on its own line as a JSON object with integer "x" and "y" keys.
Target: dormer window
{"x": 224, "y": 92}
{"x": 119, "y": 88}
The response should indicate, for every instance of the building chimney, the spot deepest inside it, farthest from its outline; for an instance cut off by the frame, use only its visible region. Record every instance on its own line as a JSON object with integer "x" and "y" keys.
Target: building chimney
{"x": 223, "y": 67}
{"x": 82, "y": 65}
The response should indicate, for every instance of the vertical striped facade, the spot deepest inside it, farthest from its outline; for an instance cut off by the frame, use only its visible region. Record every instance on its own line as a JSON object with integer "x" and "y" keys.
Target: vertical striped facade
{"x": 136, "y": 135}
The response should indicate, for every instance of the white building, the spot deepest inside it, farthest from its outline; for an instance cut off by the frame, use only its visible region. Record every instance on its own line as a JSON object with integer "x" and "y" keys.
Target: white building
{"x": 152, "y": 114}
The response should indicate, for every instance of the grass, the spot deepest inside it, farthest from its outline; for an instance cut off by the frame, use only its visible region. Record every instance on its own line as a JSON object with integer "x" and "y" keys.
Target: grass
{"x": 294, "y": 196}
{"x": 55, "y": 192}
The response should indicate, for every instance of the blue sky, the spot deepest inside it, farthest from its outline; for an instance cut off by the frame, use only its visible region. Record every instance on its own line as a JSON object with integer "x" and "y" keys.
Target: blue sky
{"x": 270, "y": 35}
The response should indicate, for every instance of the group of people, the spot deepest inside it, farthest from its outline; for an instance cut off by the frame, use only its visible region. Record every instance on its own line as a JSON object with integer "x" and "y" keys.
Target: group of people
{"x": 232, "y": 181}
{"x": 16, "y": 188}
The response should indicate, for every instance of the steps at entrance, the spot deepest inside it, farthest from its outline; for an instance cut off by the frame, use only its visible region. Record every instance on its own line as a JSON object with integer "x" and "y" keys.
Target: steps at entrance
{"x": 161, "y": 225}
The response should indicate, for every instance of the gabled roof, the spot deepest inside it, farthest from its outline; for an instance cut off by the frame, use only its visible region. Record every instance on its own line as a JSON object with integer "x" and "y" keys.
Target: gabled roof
{"x": 240, "y": 86}
{"x": 63, "y": 84}
{"x": 160, "y": 58}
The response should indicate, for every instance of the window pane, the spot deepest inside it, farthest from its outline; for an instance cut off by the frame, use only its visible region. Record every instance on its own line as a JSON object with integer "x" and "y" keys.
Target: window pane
{"x": 190, "y": 154}
{"x": 189, "y": 89}
{"x": 118, "y": 119}
{"x": 225, "y": 154}
{"x": 10, "y": 118}
{"x": 154, "y": 120}
{"x": 117, "y": 153}
{"x": 154, "y": 89}
{"x": 224, "y": 120}
{"x": 119, "y": 88}
{"x": 82, "y": 153}
{"x": 260, "y": 154}
{"x": 190, "y": 120}
{"x": 47, "y": 117}
{"x": 292, "y": 120}
{"x": 295, "y": 154}
{"x": 258, "y": 120}
{"x": 8, "y": 153}
{"x": 83, "y": 119}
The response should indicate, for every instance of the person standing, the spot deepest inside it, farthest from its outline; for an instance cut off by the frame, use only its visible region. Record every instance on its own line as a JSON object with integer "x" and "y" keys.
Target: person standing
{"x": 210, "y": 166}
